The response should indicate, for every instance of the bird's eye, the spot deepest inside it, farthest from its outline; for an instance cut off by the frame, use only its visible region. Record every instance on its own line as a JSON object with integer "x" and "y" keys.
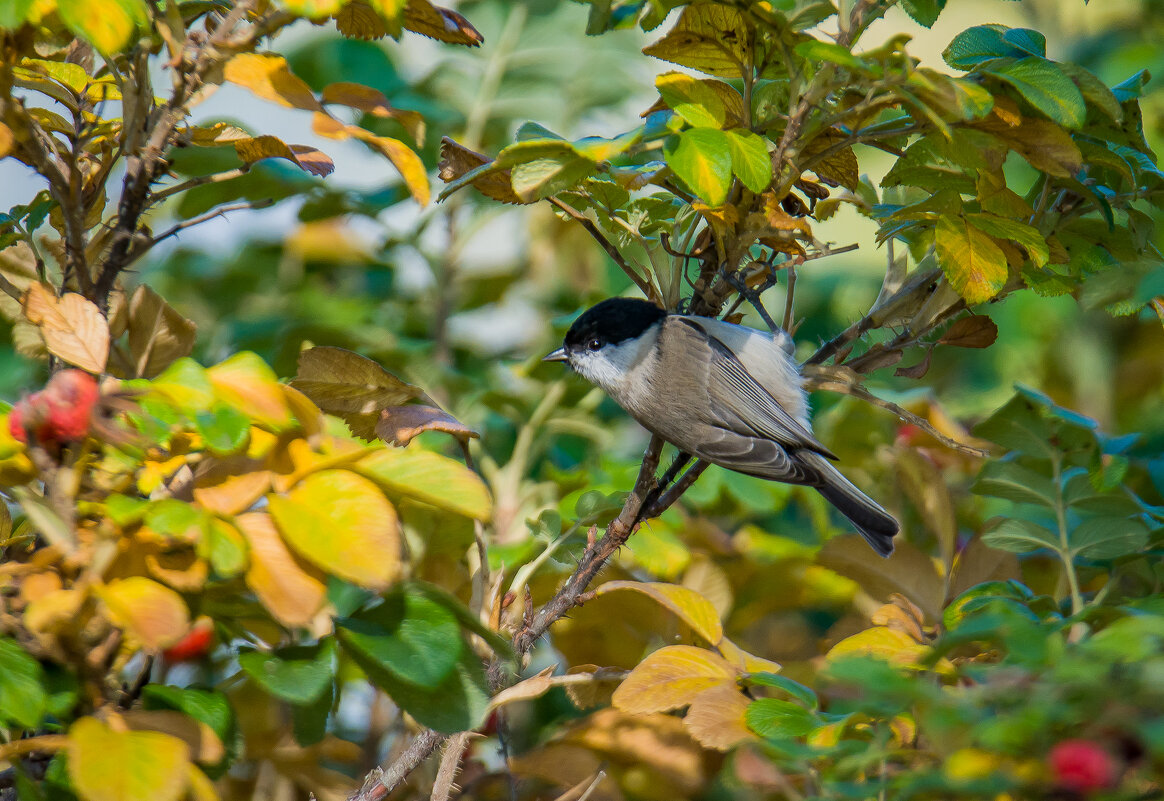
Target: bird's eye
{"x": 594, "y": 344}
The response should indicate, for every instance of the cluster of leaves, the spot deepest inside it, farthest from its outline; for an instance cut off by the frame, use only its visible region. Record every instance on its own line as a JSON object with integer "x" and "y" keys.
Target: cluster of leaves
{"x": 218, "y": 567}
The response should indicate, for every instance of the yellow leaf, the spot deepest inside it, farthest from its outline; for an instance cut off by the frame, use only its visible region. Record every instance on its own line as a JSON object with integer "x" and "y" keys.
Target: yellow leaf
{"x": 73, "y": 328}
{"x": 749, "y": 663}
{"x": 313, "y": 9}
{"x": 671, "y": 678}
{"x": 6, "y": 140}
{"x": 291, "y": 591}
{"x": 231, "y": 494}
{"x": 109, "y": 765}
{"x": 973, "y": 262}
{"x": 429, "y": 477}
{"x": 716, "y": 718}
{"x": 708, "y": 37}
{"x": 108, "y": 24}
{"x": 201, "y": 788}
{"x": 342, "y": 522}
{"x": 152, "y": 615}
{"x": 373, "y": 101}
{"x": 330, "y": 241}
{"x": 54, "y": 611}
{"x": 202, "y": 743}
{"x": 970, "y": 764}
{"x": 306, "y": 158}
{"x": 691, "y": 607}
{"x": 269, "y": 77}
{"x": 247, "y": 383}
{"x": 406, "y": 162}
{"x": 895, "y": 647}
{"x": 839, "y": 167}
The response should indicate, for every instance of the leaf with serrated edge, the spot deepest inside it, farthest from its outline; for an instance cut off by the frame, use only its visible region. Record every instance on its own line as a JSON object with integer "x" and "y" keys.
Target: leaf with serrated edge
{"x": 974, "y": 265}
{"x": 73, "y": 327}
{"x": 431, "y": 478}
{"x": 671, "y": 678}
{"x": 708, "y": 37}
{"x": 109, "y": 765}
{"x": 342, "y": 522}
{"x": 691, "y": 607}
{"x": 340, "y": 381}
{"x": 290, "y": 590}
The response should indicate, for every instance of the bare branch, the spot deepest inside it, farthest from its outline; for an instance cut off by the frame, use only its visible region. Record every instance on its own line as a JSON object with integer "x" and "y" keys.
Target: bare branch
{"x": 442, "y": 788}
{"x": 146, "y": 244}
{"x": 844, "y": 381}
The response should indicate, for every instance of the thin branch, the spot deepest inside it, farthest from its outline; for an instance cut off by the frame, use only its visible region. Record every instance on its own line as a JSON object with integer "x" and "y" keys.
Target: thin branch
{"x": 442, "y": 788}
{"x": 842, "y": 380}
{"x": 201, "y": 180}
{"x": 607, "y": 245}
{"x": 380, "y": 782}
{"x": 790, "y": 298}
{"x": 147, "y": 244}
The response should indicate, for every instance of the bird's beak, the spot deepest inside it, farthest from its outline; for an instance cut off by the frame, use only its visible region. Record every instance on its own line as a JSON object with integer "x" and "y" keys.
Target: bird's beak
{"x": 557, "y": 356}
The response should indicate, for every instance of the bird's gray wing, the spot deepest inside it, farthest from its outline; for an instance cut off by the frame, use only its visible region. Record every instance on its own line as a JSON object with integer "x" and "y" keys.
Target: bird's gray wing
{"x": 745, "y": 407}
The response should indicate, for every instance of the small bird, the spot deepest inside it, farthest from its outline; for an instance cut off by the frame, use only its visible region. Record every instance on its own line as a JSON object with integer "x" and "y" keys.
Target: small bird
{"x": 725, "y": 393}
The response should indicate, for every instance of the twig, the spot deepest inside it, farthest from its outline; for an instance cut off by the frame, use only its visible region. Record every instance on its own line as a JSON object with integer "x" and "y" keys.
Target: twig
{"x": 607, "y": 245}
{"x": 664, "y": 501}
{"x": 380, "y": 782}
{"x": 442, "y": 788}
{"x": 834, "y": 380}
{"x": 201, "y": 180}
{"x": 790, "y": 297}
{"x": 146, "y": 245}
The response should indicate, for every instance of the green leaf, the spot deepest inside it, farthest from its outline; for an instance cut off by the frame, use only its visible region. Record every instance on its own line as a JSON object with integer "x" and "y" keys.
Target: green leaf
{"x": 1028, "y": 40}
{"x": 924, "y": 12}
{"x": 209, "y": 706}
{"x": 1025, "y": 236}
{"x": 458, "y": 703}
{"x": 298, "y": 674}
{"x": 1013, "y": 482}
{"x": 794, "y": 688}
{"x": 771, "y": 717}
{"x": 1047, "y": 88}
{"x": 816, "y": 50}
{"x": 1021, "y": 536}
{"x": 981, "y": 43}
{"x": 22, "y": 697}
{"x": 1018, "y": 426}
{"x": 1108, "y": 537}
{"x": 974, "y": 265}
{"x": 691, "y": 99}
{"x": 750, "y": 160}
{"x": 309, "y": 721}
{"x": 1094, "y": 91}
{"x": 224, "y": 428}
{"x": 702, "y": 158}
{"x": 14, "y": 13}
{"x": 409, "y": 635}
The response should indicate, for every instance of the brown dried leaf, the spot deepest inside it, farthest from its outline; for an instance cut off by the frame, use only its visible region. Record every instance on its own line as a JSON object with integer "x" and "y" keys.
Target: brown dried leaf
{"x": 442, "y": 24}
{"x": 73, "y": 328}
{"x": 269, "y": 77}
{"x": 400, "y": 424}
{"x": 839, "y": 167}
{"x": 350, "y": 386}
{"x": 975, "y": 331}
{"x": 158, "y": 334}
{"x": 358, "y": 20}
{"x": 456, "y": 160}
{"x": 918, "y": 370}
{"x": 373, "y": 101}
{"x": 306, "y": 158}
{"x": 716, "y": 718}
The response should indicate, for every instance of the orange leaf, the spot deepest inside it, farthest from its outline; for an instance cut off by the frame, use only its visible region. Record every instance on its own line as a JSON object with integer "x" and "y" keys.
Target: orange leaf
{"x": 247, "y": 383}
{"x": 342, "y": 522}
{"x": 73, "y": 328}
{"x": 269, "y": 77}
{"x": 716, "y": 718}
{"x": 232, "y": 494}
{"x": 306, "y": 158}
{"x": 153, "y": 615}
{"x": 691, "y": 607}
{"x": 292, "y": 592}
{"x": 109, "y": 765}
{"x": 456, "y": 160}
{"x": 670, "y": 678}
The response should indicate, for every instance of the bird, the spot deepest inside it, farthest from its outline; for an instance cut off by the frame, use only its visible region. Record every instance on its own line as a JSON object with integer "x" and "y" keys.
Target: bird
{"x": 724, "y": 393}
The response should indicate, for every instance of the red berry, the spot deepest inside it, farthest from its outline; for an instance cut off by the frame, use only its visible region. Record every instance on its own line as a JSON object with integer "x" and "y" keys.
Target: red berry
{"x": 1082, "y": 766}
{"x": 195, "y": 645}
{"x": 60, "y": 413}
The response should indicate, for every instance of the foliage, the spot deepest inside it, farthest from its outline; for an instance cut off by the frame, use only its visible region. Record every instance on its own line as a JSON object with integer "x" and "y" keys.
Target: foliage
{"x": 217, "y": 583}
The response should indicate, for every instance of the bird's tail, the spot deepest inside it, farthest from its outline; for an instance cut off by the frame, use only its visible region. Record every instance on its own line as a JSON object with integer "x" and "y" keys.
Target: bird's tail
{"x": 876, "y": 525}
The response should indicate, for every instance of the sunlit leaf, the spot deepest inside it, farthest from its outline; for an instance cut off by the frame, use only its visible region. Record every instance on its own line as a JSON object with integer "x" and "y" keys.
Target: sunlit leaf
{"x": 271, "y": 147}
{"x": 889, "y": 645}
{"x": 671, "y": 678}
{"x": 691, "y": 607}
{"x": 750, "y": 160}
{"x": 772, "y": 717}
{"x": 248, "y": 384}
{"x": 23, "y": 701}
{"x": 716, "y": 718}
{"x": 291, "y": 591}
{"x": 73, "y": 327}
{"x": 1047, "y": 88}
{"x": 708, "y": 37}
{"x": 343, "y": 523}
{"x": 153, "y": 615}
{"x": 430, "y": 478}
{"x": 691, "y": 99}
{"x": 399, "y": 425}
{"x": 269, "y": 77}
{"x": 974, "y": 265}
{"x": 702, "y": 158}
{"x": 442, "y": 24}
{"x": 110, "y": 765}
{"x": 108, "y": 24}
{"x": 158, "y": 334}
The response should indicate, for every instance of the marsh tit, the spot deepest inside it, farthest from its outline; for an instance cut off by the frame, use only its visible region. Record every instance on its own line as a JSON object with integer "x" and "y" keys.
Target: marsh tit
{"x": 724, "y": 393}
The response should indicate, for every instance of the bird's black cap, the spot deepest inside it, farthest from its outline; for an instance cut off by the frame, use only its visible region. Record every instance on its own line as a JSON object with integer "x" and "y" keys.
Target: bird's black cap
{"x": 613, "y": 321}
